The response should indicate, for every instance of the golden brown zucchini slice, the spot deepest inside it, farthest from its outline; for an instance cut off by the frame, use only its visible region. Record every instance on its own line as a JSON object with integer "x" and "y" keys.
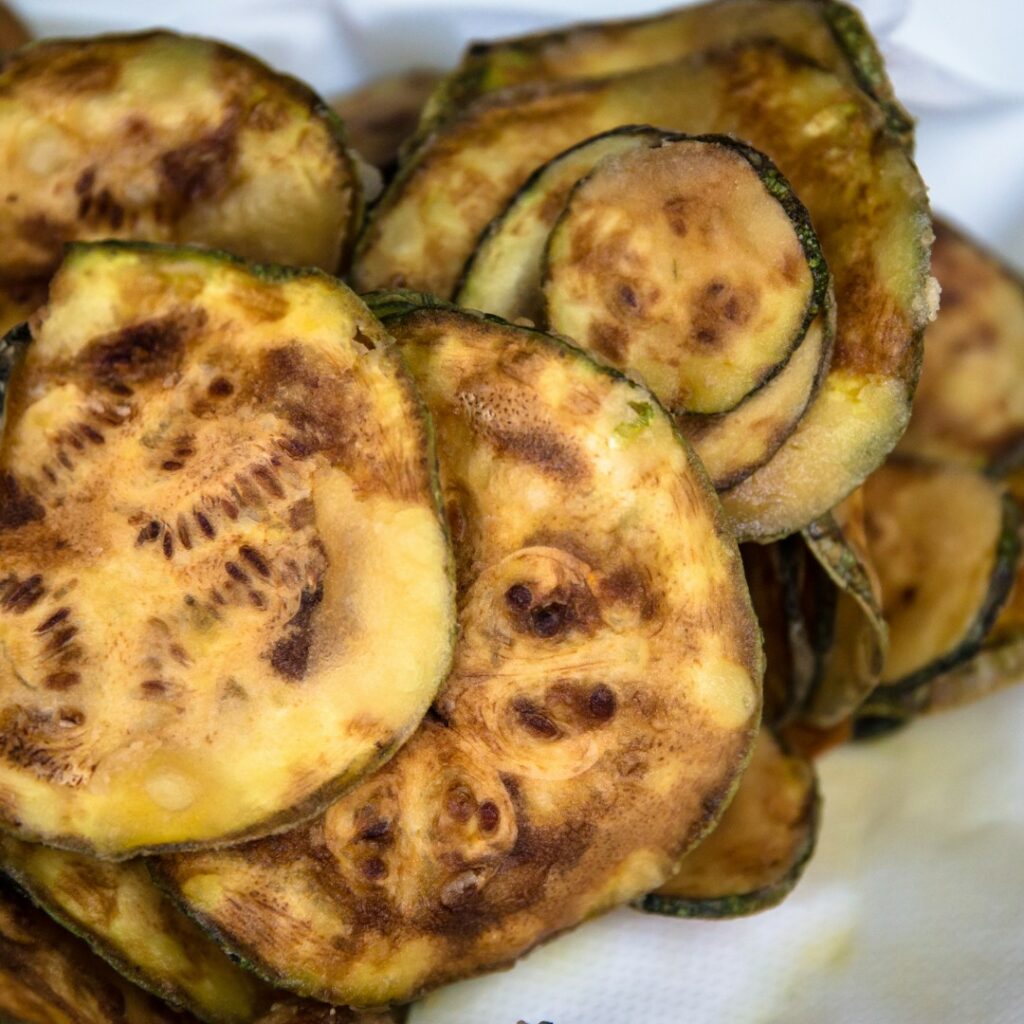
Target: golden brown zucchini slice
{"x": 831, "y": 142}
{"x": 127, "y": 920}
{"x": 382, "y": 114}
{"x": 969, "y": 405}
{"x": 166, "y": 138}
{"x": 604, "y": 695}
{"x": 218, "y": 513}
{"x": 944, "y": 542}
{"x": 828, "y": 33}
{"x": 760, "y": 847}
{"x": 48, "y": 976}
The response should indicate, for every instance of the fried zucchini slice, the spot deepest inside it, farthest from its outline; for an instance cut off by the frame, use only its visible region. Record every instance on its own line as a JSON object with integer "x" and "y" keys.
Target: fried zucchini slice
{"x": 382, "y": 114}
{"x": 861, "y": 188}
{"x": 13, "y": 32}
{"x": 218, "y": 513}
{"x": 605, "y": 692}
{"x": 832, "y": 35}
{"x": 167, "y": 138}
{"x": 137, "y": 929}
{"x": 969, "y": 405}
{"x": 48, "y": 976}
{"x": 760, "y": 847}
{"x": 944, "y": 542}
{"x": 851, "y": 663}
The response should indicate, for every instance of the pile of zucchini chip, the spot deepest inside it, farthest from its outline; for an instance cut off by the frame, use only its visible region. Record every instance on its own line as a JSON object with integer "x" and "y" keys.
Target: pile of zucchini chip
{"x": 384, "y": 593}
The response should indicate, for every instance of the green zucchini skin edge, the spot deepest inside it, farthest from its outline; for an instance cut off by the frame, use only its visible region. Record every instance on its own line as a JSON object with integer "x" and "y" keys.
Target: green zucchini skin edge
{"x": 12, "y": 347}
{"x": 744, "y": 904}
{"x": 1008, "y": 553}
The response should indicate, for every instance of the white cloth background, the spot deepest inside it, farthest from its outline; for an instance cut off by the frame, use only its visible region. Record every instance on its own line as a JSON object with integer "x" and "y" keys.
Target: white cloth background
{"x": 911, "y": 912}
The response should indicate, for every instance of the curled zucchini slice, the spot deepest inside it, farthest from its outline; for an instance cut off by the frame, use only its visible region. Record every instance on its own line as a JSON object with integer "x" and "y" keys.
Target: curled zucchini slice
{"x": 758, "y": 851}
{"x": 118, "y": 910}
{"x": 218, "y": 513}
{"x": 604, "y": 696}
{"x": 831, "y": 142}
{"x": 96, "y": 145}
{"x": 969, "y": 405}
{"x": 832, "y": 35}
{"x": 944, "y": 542}
{"x": 48, "y": 976}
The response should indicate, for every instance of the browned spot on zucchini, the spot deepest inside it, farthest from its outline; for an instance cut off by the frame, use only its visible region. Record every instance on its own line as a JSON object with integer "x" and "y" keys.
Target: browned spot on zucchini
{"x": 200, "y": 169}
{"x": 142, "y": 352}
{"x": 17, "y": 507}
{"x": 290, "y": 654}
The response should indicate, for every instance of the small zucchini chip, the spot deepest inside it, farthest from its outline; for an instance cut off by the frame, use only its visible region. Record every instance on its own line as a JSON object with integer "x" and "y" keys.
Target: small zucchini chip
{"x": 166, "y": 138}
{"x": 760, "y": 847}
{"x": 48, "y": 976}
{"x": 862, "y": 190}
{"x": 969, "y": 405}
{"x": 119, "y": 911}
{"x": 830, "y": 34}
{"x": 605, "y": 692}
{"x": 944, "y": 542}
{"x": 851, "y": 664}
{"x": 218, "y": 512}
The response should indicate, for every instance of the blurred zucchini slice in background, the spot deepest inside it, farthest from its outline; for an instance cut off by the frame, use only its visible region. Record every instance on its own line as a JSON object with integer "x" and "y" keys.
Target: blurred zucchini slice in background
{"x": 760, "y": 847}
{"x": 166, "y": 138}
{"x": 128, "y": 921}
{"x": 13, "y": 32}
{"x": 18, "y": 300}
{"x": 605, "y": 692}
{"x": 969, "y": 405}
{"x": 944, "y": 541}
{"x": 861, "y": 188}
{"x": 830, "y": 34}
{"x": 218, "y": 512}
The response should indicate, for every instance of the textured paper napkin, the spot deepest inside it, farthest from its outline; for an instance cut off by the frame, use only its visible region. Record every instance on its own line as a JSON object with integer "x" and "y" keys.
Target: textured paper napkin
{"x": 912, "y": 911}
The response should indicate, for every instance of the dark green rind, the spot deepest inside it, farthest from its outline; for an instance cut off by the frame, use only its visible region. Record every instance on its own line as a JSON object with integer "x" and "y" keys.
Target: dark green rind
{"x": 15, "y": 342}
{"x": 1008, "y": 553}
{"x": 744, "y": 904}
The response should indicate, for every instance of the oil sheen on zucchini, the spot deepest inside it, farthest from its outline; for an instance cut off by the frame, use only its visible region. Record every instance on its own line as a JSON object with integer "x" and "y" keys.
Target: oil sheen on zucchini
{"x": 605, "y": 692}
{"x": 127, "y": 920}
{"x": 969, "y": 405}
{"x": 831, "y": 142}
{"x": 759, "y": 849}
{"x": 218, "y": 512}
{"x": 165, "y": 138}
{"x": 830, "y": 34}
{"x": 944, "y": 542}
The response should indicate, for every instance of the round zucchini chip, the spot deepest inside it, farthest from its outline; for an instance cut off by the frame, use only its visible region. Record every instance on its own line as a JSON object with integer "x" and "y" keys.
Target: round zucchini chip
{"x": 831, "y": 142}
{"x": 758, "y": 851}
{"x": 119, "y": 911}
{"x": 218, "y": 513}
{"x": 166, "y": 138}
{"x": 969, "y": 405}
{"x": 944, "y": 542}
{"x": 605, "y": 692}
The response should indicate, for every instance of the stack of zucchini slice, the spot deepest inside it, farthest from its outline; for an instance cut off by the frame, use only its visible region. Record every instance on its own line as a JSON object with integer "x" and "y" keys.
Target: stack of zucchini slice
{"x": 356, "y": 644}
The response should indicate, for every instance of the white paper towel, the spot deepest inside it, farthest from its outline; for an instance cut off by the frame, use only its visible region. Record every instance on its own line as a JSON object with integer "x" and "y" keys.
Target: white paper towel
{"x": 912, "y": 911}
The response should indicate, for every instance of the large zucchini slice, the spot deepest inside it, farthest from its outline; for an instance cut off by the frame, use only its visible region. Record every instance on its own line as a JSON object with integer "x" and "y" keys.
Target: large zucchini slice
{"x": 758, "y": 850}
{"x": 969, "y": 405}
{"x": 605, "y": 692}
{"x": 166, "y": 138}
{"x": 831, "y": 142}
{"x": 944, "y": 542}
{"x": 828, "y": 33}
{"x": 218, "y": 514}
{"x": 127, "y": 920}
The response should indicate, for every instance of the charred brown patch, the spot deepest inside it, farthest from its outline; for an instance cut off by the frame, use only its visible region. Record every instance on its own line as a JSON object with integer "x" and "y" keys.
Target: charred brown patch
{"x": 290, "y": 655}
{"x": 34, "y": 740}
{"x": 608, "y": 340}
{"x": 142, "y": 352}
{"x": 301, "y": 514}
{"x": 220, "y": 387}
{"x": 89, "y": 72}
{"x": 17, "y": 507}
{"x": 21, "y": 595}
{"x": 61, "y": 681}
{"x": 627, "y": 585}
{"x": 200, "y": 169}
{"x": 47, "y": 235}
{"x": 677, "y": 213}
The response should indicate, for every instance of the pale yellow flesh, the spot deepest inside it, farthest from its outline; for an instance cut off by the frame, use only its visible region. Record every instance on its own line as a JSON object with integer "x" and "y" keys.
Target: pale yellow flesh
{"x": 119, "y": 907}
{"x": 676, "y": 263}
{"x": 504, "y": 274}
{"x": 580, "y": 755}
{"x": 933, "y": 534}
{"x": 229, "y": 528}
{"x": 165, "y": 138}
